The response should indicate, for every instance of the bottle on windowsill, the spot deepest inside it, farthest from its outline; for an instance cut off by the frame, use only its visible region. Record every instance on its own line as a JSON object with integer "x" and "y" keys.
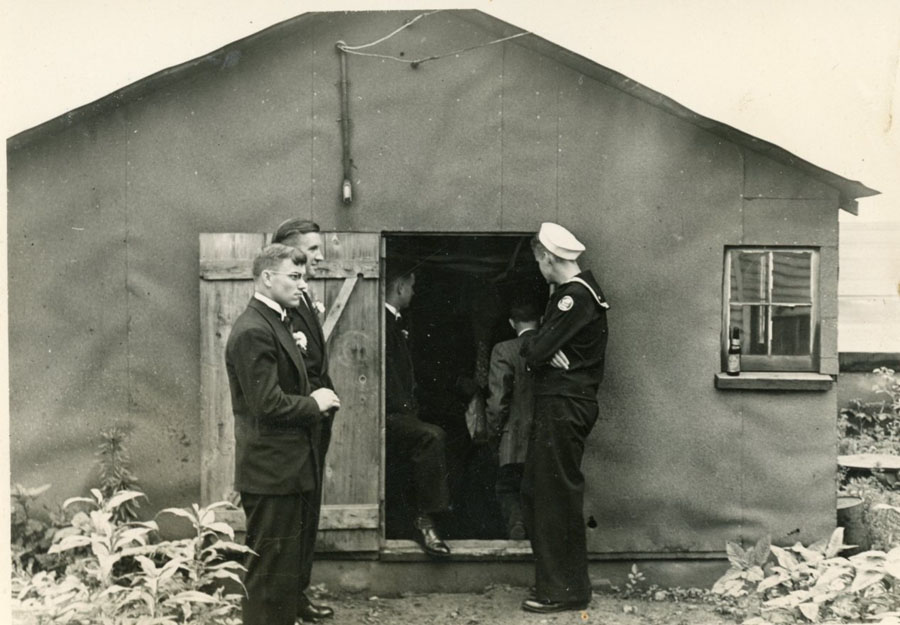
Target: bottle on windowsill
{"x": 733, "y": 360}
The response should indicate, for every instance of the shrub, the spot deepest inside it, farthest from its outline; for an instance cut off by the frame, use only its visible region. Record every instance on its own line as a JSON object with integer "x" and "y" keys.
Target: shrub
{"x": 873, "y": 427}
{"x": 813, "y": 583}
{"x": 31, "y": 530}
{"x": 117, "y": 574}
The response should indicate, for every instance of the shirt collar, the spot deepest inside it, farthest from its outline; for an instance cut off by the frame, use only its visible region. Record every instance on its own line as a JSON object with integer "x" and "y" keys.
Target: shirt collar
{"x": 527, "y": 330}
{"x": 271, "y": 304}
{"x": 393, "y": 311}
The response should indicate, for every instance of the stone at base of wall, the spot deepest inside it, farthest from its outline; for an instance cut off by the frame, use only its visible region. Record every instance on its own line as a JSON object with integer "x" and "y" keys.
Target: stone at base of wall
{"x": 391, "y": 578}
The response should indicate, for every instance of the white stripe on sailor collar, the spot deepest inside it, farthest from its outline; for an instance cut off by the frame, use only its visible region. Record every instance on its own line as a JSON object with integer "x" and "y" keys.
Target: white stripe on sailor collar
{"x": 602, "y": 303}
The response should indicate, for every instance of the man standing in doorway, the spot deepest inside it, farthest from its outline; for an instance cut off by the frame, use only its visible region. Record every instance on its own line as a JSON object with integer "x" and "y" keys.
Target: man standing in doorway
{"x": 421, "y": 444}
{"x": 509, "y": 412}
{"x": 567, "y": 358}
{"x": 276, "y": 457}
{"x": 306, "y": 324}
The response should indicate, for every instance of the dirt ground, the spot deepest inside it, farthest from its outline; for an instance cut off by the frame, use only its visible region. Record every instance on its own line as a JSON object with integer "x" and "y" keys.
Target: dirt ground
{"x": 499, "y": 605}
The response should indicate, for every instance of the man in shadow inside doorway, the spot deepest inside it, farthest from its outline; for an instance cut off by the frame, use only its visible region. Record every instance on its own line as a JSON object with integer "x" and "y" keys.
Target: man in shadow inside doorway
{"x": 409, "y": 440}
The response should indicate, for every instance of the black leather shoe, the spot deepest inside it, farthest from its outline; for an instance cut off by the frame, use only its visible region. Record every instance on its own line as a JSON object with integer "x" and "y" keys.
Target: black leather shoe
{"x": 545, "y": 606}
{"x": 310, "y": 612}
{"x": 432, "y": 543}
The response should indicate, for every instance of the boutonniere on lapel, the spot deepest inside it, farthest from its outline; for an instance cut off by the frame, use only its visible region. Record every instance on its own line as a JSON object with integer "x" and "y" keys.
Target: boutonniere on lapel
{"x": 314, "y": 304}
{"x": 300, "y": 340}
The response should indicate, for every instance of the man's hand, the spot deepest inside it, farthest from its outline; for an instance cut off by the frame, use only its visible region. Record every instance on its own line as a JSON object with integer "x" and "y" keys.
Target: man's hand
{"x": 326, "y": 399}
{"x": 560, "y": 360}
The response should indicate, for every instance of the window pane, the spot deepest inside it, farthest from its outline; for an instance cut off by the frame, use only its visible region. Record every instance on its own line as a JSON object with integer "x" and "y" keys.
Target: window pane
{"x": 748, "y": 276}
{"x": 790, "y": 330}
{"x": 752, "y": 322}
{"x": 791, "y": 280}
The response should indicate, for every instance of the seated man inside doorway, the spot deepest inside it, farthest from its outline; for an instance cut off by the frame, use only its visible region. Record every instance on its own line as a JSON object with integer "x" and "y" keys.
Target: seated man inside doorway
{"x": 410, "y": 440}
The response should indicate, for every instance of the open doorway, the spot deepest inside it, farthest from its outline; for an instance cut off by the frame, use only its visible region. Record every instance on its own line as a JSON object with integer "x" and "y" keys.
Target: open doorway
{"x": 465, "y": 285}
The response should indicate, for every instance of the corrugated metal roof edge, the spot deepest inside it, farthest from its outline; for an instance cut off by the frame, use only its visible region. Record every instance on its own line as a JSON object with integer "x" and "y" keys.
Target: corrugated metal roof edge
{"x": 849, "y": 190}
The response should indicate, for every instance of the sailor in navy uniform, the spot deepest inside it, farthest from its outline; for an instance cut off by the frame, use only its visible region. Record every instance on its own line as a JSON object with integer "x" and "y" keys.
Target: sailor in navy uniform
{"x": 566, "y": 356}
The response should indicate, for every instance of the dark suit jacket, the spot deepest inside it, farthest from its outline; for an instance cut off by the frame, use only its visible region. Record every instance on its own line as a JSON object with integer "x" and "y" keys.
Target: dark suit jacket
{"x": 400, "y": 382}
{"x": 511, "y": 403}
{"x": 273, "y": 413}
{"x": 304, "y": 319}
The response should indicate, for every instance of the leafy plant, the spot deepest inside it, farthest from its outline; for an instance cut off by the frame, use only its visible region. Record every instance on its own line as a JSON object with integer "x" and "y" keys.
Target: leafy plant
{"x": 31, "y": 529}
{"x": 109, "y": 541}
{"x": 815, "y": 582}
{"x": 118, "y": 574}
{"x": 207, "y": 555}
{"x": 873, "y": 427}
{"x": 746, "y": 570}
{"x": 115, "y": 473}
{"x": 89, "y": 591}
{"x": 888, "y": 384}
{"x": 633, "y": 584}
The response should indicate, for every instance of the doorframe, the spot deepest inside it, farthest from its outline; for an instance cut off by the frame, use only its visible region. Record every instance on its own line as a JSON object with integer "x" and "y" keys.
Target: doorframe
{"x": 401, "y": 550}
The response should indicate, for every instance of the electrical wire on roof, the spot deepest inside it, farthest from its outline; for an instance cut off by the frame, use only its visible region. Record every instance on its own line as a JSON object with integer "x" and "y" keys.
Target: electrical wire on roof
{"x": 407, "y": 24}
{"x": 347, "y": 184}
{"x": 414, "y": 63}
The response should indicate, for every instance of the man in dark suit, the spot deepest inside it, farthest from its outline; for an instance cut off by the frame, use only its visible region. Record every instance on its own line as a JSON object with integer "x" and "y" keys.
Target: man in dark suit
{"x": 421, "y": 444}
{"x": 305, "y": 319}
{"x": 567, "y": 356}
{"x": 276, "y": 458}
{"x": 509, "y": 410}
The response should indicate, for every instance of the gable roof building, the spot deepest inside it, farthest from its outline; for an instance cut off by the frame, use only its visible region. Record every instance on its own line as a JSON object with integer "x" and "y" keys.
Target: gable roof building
{"x": 451, "y": 125}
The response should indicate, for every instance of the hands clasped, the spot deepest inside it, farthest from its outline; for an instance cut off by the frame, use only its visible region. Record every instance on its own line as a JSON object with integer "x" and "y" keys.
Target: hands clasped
{"x": 559, "y": 360}
{"x": 326, "y": 399}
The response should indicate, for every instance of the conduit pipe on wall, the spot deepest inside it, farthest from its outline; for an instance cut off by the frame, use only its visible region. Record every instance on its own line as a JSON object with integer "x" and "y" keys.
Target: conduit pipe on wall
{"x": 347, "y": 186}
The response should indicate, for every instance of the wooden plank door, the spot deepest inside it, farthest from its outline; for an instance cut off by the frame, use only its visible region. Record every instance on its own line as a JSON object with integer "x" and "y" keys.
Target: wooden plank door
{"x": 347, "y": 283}
{"x": 226, "y": 285}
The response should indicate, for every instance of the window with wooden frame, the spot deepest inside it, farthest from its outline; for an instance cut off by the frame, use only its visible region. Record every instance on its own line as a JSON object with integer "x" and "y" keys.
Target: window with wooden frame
{"x": 771, "y": 296}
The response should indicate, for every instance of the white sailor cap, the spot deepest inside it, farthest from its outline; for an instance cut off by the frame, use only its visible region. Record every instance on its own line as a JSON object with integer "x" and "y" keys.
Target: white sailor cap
{"x": 559, "y": 241}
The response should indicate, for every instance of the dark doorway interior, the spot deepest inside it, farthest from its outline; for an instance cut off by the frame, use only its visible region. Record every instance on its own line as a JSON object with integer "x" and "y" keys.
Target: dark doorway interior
{"x": 464, "y": 287}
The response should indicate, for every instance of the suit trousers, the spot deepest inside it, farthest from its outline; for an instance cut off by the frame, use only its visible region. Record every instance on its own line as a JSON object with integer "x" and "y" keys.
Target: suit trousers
{"x": 423, "y": 446}
{"x": 553, "y": 496}
{"x": 274, "y": 528}
{"x": 313, "y": 510}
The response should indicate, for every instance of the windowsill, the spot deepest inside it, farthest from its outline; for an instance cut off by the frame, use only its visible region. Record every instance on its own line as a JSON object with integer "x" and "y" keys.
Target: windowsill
{"x": 774, "y": 381}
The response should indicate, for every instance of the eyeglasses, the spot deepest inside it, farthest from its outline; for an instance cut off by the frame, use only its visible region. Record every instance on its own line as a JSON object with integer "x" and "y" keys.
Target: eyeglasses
{"x": 292, "y": 276}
